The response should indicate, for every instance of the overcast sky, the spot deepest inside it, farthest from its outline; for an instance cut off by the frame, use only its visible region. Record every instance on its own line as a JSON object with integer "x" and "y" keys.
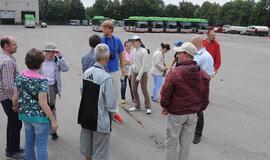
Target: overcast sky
{"x": 88, "y": 3}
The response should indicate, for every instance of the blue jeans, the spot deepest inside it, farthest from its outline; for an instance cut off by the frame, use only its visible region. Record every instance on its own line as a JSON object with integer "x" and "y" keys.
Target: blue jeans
{"x": 124, "y": 86}
{"x": 14, "y": 126}
{"x": 36, "y": 137}
{"x": 158, "y": 80}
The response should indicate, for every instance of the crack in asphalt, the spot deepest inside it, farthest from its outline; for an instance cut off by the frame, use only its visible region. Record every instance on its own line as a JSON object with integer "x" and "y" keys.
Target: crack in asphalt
{"x": 157, "y": 141}
{"x": 160, "y": 143}
{"x": 134, "y": 118}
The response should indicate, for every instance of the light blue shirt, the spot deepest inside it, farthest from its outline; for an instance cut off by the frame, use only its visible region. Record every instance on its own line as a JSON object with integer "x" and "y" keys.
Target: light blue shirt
{"x": 49, "y": 71}
{"x": 205, "y": 61}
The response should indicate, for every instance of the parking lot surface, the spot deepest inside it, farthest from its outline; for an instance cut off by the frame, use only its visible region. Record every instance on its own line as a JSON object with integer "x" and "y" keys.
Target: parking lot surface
{"x": 237, "y": 121}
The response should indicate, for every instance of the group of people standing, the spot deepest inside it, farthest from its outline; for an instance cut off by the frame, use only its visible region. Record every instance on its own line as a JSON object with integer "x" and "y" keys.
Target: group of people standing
{"x": 30, "y": 96}
{"x": 184, "y": 94}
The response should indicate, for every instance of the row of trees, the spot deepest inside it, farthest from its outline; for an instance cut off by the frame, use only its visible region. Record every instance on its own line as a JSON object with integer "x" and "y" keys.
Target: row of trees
{"x": 60, "y": 11}
{"x": 237, "y": 12}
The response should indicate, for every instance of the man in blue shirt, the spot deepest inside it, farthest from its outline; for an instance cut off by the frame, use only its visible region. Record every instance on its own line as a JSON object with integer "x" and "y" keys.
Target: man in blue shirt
{"x": 116, "y": 54}
{"x": 203, "y": 58}
{"x": 206, "y": 62}
{"x": 115, "y": 46}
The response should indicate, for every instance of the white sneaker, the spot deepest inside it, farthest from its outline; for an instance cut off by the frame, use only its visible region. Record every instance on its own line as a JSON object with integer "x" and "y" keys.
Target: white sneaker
{"x": 134, "y": 109}
{"x": 122, "y": 101}
{"x": 148, "y": 111}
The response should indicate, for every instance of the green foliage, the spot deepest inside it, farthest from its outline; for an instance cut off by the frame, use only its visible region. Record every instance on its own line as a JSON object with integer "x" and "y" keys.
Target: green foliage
{"x": 238, "y": 12}
{"x": 209, "y": 11}
{"x": 77, "y": 10}
{"x": 61, "y": 11}
{"x": 171, "y": 11}
{"x": 262, "y": 13}
{"x": 187, "y": 9}
{"x": 235, "y": 12}
{"x": 43, "y": 9}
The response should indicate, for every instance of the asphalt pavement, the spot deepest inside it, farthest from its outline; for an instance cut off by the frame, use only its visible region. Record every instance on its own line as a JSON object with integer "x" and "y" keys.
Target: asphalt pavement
{"x": 237, "y": 120}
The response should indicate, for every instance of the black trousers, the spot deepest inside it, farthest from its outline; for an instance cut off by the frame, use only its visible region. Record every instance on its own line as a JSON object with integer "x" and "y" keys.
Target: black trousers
{"x": 200, "y": 124}
{"x": 14, "y": 126}
{"x": 124, "y": 86}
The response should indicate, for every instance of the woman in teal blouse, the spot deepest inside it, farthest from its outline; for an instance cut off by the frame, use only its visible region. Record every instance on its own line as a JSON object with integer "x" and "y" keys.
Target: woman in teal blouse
{"x": 30, "y": 100}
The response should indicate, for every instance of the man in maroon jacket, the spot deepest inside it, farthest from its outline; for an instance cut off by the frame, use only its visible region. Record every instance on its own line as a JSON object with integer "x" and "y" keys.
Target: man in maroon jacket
{"x": 184, "y": 93}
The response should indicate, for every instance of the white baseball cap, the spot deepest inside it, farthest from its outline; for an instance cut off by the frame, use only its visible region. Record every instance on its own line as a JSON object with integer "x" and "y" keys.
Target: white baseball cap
{"x": 135, "y": 37}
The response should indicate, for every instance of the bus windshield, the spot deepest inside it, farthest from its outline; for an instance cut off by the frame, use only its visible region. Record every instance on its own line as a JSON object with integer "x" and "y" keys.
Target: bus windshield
{"x": 172, "y": 25}
{"x": 157, "y": 24}
{"x": 97, "y": 22}
{"x": 203, "y": 25}
{"x": 142, "y": 24}
{"x": 186, "y": 25}
{"x": 128, "y": 22}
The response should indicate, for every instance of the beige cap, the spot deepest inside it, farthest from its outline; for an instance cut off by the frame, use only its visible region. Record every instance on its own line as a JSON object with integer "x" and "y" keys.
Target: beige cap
{"x": 188, "y": 48}
{"x": 51, "y": 47}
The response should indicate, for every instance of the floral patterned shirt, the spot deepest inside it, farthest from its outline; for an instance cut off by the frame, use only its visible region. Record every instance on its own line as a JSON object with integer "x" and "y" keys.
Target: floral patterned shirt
{"x": 29, "y": 85}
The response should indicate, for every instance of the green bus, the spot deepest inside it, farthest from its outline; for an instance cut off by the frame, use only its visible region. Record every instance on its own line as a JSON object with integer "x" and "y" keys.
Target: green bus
{"x": 199, "y": 25}
{"x": 165, "y": 24}
{"x": 184, "y": 25}
{"x": 136, "y": 24}
{"x": 170, "y": 24}
{"x": 129, "y": 25}
{"x": 29, "y": 21}
{"x": 155, "y": 24}
{"x": 97, "y": 22}
{"x": 203, "y": 26}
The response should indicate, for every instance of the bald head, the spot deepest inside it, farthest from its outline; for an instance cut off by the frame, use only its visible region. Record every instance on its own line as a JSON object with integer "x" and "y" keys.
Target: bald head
{"x": 197, "y": 41}
{"x": 8, "y": 44}
{"x": 211, "y": 35}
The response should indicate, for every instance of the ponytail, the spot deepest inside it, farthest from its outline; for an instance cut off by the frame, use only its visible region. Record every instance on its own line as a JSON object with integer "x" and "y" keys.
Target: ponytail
{"x": 143, "y": 46}
{"x": 167, "y": 46}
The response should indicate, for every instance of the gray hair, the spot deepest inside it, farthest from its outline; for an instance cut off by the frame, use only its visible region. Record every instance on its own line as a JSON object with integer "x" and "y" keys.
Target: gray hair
{"x": 196, "y": 38}
{"x": 101, "y": 51}
{"x": 197, "y": 41}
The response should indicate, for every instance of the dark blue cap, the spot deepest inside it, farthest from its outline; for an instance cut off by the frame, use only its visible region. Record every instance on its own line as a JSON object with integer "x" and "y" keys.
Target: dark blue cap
{"x": 178, "y": 43}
